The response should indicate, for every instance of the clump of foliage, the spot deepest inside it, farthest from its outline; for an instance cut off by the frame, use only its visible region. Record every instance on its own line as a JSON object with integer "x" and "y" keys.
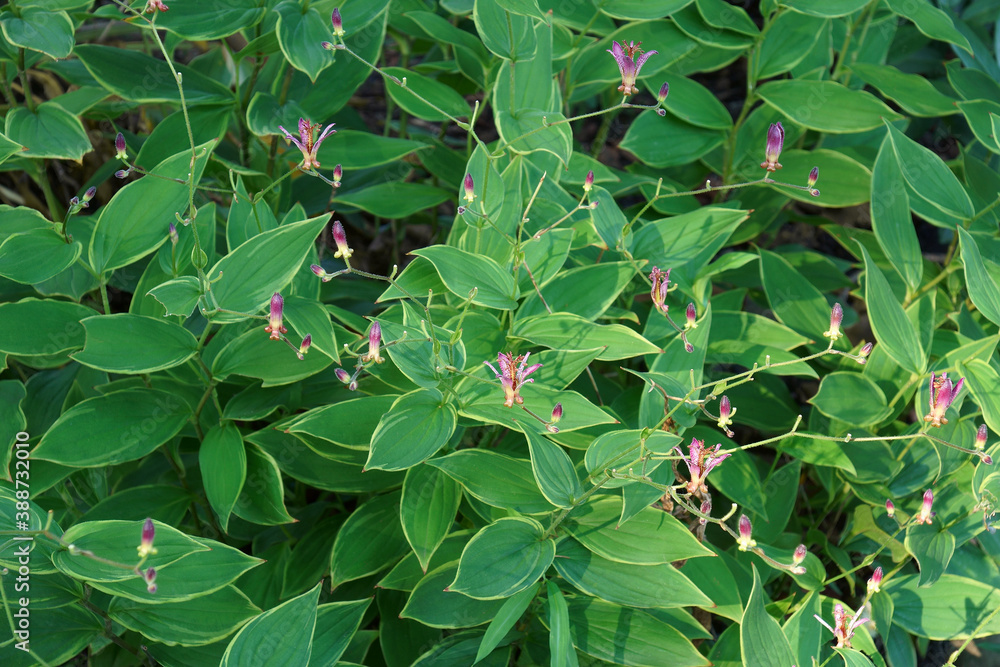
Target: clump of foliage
{"x": 493, "y": 332}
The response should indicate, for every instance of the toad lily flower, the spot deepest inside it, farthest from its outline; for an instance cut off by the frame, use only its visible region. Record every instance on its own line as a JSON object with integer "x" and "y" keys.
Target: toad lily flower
{"x": 145, "y": 547}
{"x": 746, "y": 541}
{"x": 340, "y": 238}
{"x": 875, "y": 583}
{"x": 700, "y": 461}
{"x": 628, "y": 65}
{"x": 513, "y": 375}
{"x": 374, "y": 344}
{"x": 275, "y": 326}
{"x": 843, "y": 627}
{"x": 925, "y": 508}
{"x": 661, "y": 283}
{"x": 775, "y": 139}
{"x": 836, "y": 317}
{"x": 726, "y": 412}
{"x": 943, "y": 393}
{"x": 305, "y": 141}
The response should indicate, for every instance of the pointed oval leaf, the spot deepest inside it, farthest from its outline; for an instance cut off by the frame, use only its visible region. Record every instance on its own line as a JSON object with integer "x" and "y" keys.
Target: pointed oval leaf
{"x": 463, "y": 272}
{"x": 36, "y": 255}
{"x": 553, "y": 471}
{"x": 370, "y": 540}
{"x": 503, "y": 559}
{"x": 222, "y": 459}
{"x": 762, "y": 641}
{"x": 495, "y": 479}
{"x": 893, "y": 330}
{"x": 416, "y": 426}
{"x": 280, "y": 636}
{"x": 132, "y": 344}
{"x": 427, "y": 509}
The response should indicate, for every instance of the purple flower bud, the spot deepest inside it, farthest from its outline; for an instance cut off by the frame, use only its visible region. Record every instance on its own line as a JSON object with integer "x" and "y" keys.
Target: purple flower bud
{"x": 800, "y": 554}
{"x": 664, "y": 91}
{"x": 145, "y": 547}
{"x": 706, "y": 509}
{"x": 149, "y": 576}
{"x": 865, "y": 351}
{"x": 328, "y": 46}
{"x": 469, "y": 185}
{"x": 688, "y": 347}
{"x": 588, "y": 182}
{"x": 304, "y": 348}
{"x": 691, "y": 315}
{"x": 551, "y": 428}
{"x": 836, "y": 317}
{"x": 461, "y": 210}
{"x": 661, "y": 113}
{"x": 123, "y": 173}
{"x": 876, "y": 581}
{"x": 343, "y": 375}
{"x": 374, "y": 344}
{"x": 89, "y": 194}
{"x": 557, "y": 413}
{"x": 74, "y": 201}
{"x": 745, "y": 540}
{"x": 981, "y": 434}
{"x": 925, "y": 508}
{"x": 121, "y": 153}
{"x": 986, "y": 458}
{"x": 814, "y": 192}
{"x": 813, "y": 177}
{"x": 338, "y": 22}
{"x": 890, "y": 509}
{"x": 172, "y": 230}
{"x": 275, "y": 326}
{"x": 775, "y": 140}
{"x": 353, "y": 386}
{"x": 340, "y": 238}
{"x": 338, "y": 173}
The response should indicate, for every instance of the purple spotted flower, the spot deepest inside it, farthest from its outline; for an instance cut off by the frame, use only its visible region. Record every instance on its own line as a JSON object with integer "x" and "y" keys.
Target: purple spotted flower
{"x": 746, "y": 541}
{"x": 925, "y": 508}
{"x": 844, "y": 625}
{"x": 943, "y": 393}
{"x": 775, "y": 140}
{"x": 700, "y": 461}
{"x": 513, "y": 375}
{"x": 628, "y": 65}
{"x": 145, "y": 547}
{"x": 275, "y": 325}
{"x": 374, "y": 344}
{"x": 307, "y": 142}
{"x": 661, "y": 283}
{"x": 338, "y": 22}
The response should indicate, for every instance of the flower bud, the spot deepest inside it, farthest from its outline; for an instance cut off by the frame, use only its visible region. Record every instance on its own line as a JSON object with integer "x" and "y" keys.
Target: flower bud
{"x": 726, "y": 412}
{"x": 328, "y": 46}
{"x": 172, "y": 231}
{"x": 551, "y": 428}
{"x": 865, "y": 351}
{"x": 745, "y": 540}
{"x": 775, "y": 140}
{"x": 706, "y": 509}
{"x": 836, "y": 317}
{"x": 800, "y": 555}
{"x": 661, "y": 112}
{"x": 691, "y": 314}
{"x": 557, "y": 413}
{"x": 275, "y": 326}
{"x": 813, "y": 177}
{"x": 890, "y": 509}
{"x": 876, "y": 581}
{"x": 145, "y": 547}
{"x": 688, "y": 347}
{"x": 461, "y": 210}
{"x": 814, "y": 192}
{"x": 121, "y": 153}
{"x": 338, "y": 22}
{"x": 374, "y": 344}
{"x": 89, "y": 194}
{"x": 340, "y": 238}
{"x": 338, "y": 173}
{"x": 149, "y": 576}
{"x": 981, "y": 434}
{"x": 75, "y": 202}
{"x": 588, "y": 182}
{"x": 925, "y": 508}
{"x": 343, "y": 375}
{"x": 123, "y": 173}
{"x": 664, "y": 91}
{"x": 469, "y": 185}
{"x": 304, "y": 348}
{"x": 986, "y": 458}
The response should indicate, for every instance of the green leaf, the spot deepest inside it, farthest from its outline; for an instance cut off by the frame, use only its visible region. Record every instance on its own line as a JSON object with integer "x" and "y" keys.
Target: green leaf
{"x": 308, "y": 316}
{"x": 40, "y": 29}
{"x": 933, "y": 548}
{"x": 370, "y": 540}
{"x": 587, "y": 291}
{"x": 300, "y": 32}
{"x": 433, "y": 605}
{"x": 55, "y": 326}
{"x": 196, "y": 622}
{"x": 201, "y": 21}
{"x": 637, "y": 10}
{"x": 695, "y": 104}
{"x": 668, "y": 141}
{"x": 930, "y": 611}
{"x": 8, "y": 148}
{"x": 265, "y": 505}
{"x": 336, "y": 623}
{"x": 135, "y": 76}
{"x": 526, "y": 131}
{"x": 463, "y": 272}
{"x": 505, "y": 619}
{"x": 262, "y": 266}
{"x": 915, "y": 94}
{"x": 931, "y": 21}
{"x": 484, "y": 403}
{"x": 36, "y": 255}
{"x": 347, "y": 424}
{"x": 983, "y": 381}
{"x": 794, "y": 300}
{"x": 507, "y": 35}
{"x": 761, "y": 640}
{"x": 893, "y": 330}
{"x": 853, "y": 658}
{"x": 596, "y": 627}
{"x": 395, "y": 199}
{"x": 826, "y": 106}
{"x": 983, "y": 289}
{"x": 113, "y": 428}
{"x": 255, "y": 355}
{"x": 621, "y": 449}
{"x": 687, "y": 240}
{"x": 495, "y": 479}
{"x": 124, "y": 232}
{"x": 790, "y": 38}
{"x": 891, "y": 219}
{"x": 553, "y": 471}
{"x": 850, "y": 397}
{"x": 843, "y": 180}
{"x": 651, "y": 537}
{"x": 827, "y": 8}
{"x": 362, "y": 150}
{"x": 660, "y": 586}
{"x": 564, "y": 331}
{"x": 48, "y": 131}
{"x": 560, "y": 641}
{"x": 415, "y": 357}
{"x": 445, "y": 98}
{"x": 133, "y": 344}
{"x": 930, "y": 179}
{"x": 222, "y": 460}
{"x": 178, "y": 296}
{"x": 427, "y": 510}
{"x": 503, "y": 559}
{"x": 279, "y": 636}
{"x": 416, "y": 426}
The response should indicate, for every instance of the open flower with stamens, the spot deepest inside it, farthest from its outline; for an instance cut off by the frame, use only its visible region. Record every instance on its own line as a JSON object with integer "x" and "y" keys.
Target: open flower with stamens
{"x": 628, "y": 65}
{"x": 925, "y": 508}
{"x": 275, "y": 325}
{"x": 661, "y": 284}
{"x": 374, "y": 344}
{"x": 775, "y": 140}
{"x": 943, "y": 394}
{"x": 306, "y": 142}
{"x": 700, "y": 461}
{"x": 513, "y": 375}
{"x": 843, "y": 625}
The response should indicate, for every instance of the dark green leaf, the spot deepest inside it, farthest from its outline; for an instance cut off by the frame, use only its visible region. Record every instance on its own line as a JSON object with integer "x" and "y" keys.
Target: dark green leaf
{"x": 761, "y": 640}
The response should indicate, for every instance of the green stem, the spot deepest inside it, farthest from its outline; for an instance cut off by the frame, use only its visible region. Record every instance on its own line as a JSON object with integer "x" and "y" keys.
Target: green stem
{"x": 29, "y": 101}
